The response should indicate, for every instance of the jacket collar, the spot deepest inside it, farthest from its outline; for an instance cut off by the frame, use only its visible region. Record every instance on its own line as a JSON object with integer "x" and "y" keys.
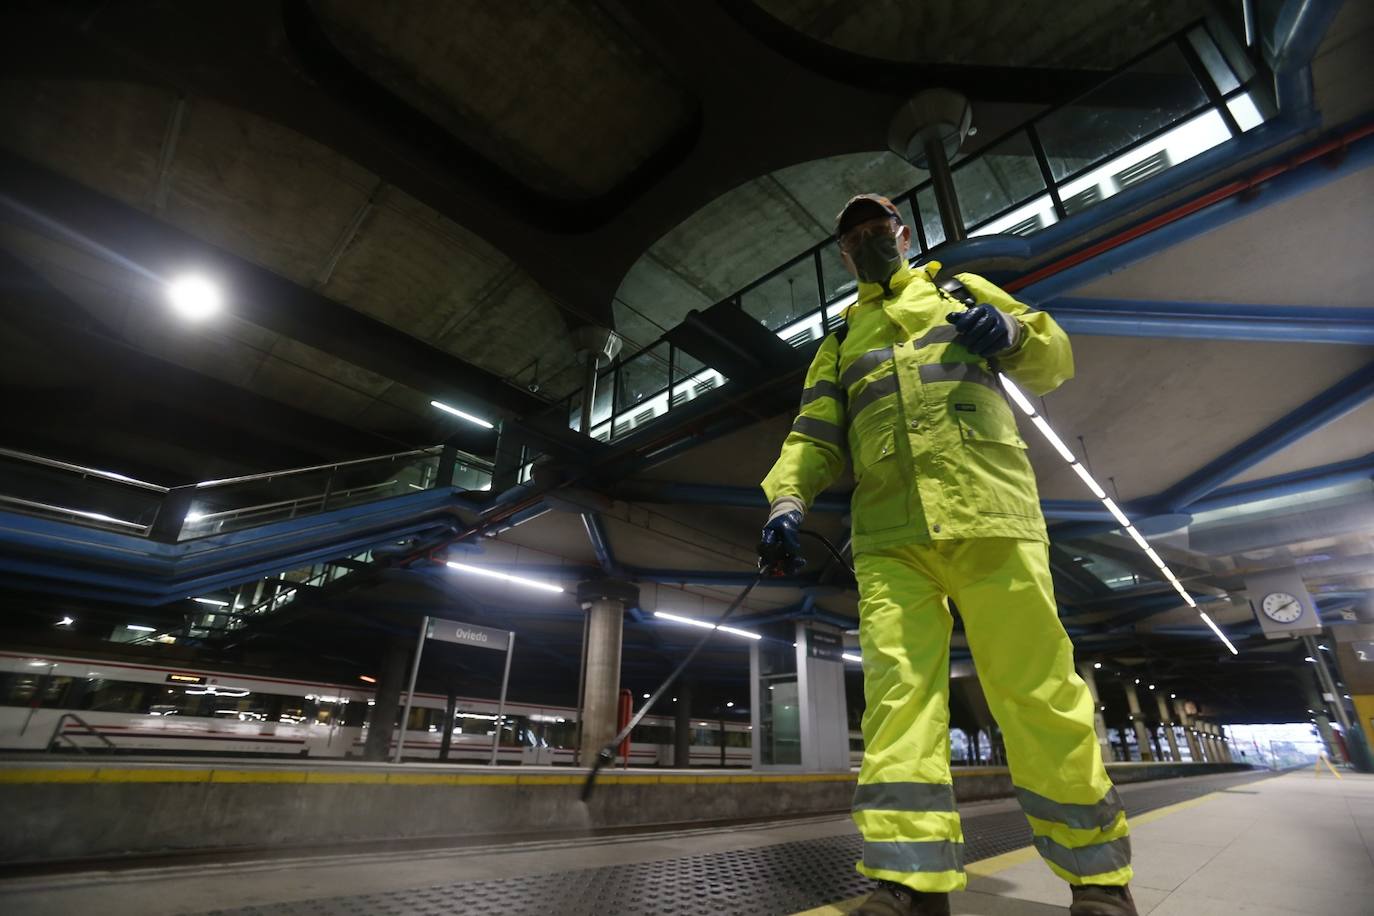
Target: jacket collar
{"x": 872, "y": 293}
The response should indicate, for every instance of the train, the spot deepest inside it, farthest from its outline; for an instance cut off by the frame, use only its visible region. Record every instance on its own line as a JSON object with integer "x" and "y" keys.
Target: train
{"x": 57, "y": 702}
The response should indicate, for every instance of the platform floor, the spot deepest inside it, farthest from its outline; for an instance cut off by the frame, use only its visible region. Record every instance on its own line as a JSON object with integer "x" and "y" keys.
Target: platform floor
{"x": 1236, "y": 843}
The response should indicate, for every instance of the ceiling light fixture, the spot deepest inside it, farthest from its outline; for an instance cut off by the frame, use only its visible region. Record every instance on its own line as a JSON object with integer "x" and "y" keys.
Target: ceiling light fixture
{"x": 139, "y": 628}
{"x": 1097, "y": 665}
{"x": 1028, "y": 408}
{"x": 66, "y": 621}
{"x": 518, "y": 580}
{"x": 706, "y": 626}
{"x": 194, "y": 296}
{"x": 849, "y": 657}
{"x": 462, "y": 414}
{"x": 215, "y": 601}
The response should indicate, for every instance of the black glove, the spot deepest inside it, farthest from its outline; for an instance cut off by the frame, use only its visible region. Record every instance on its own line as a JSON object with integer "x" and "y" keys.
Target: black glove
{"x": 780, "y": 545}
{"x": 985, "y": 330}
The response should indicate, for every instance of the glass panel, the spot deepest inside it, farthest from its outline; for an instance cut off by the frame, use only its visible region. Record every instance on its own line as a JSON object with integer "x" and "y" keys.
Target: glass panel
{"x": 1145, "y": 161}
{"x": 692, "y": 378}
{"x": 601, "y": 407}
{"x": 1024, "y": 220}
{"x": 1003, "y": 175}
{"x": 1212, "y": 60}
{"x": 785, "y": 297}
{"x": 1134, "y": 104}
{"x": 839, "y": 282}
{"x": 1244, "y": 110}
{"x": 930, "y": 216}
{"x": 643, "y": 388}
{"x": 908, "y": 210}
{"x": 38, "y": 489}
{"x": 779, "y": 700}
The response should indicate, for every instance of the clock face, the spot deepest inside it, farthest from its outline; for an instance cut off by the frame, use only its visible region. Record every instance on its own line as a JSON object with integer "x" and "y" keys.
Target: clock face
{"x": 1281, "y": 607}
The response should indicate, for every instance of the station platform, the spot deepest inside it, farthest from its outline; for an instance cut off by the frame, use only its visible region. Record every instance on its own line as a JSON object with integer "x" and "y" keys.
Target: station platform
{"x": 1249, "y": 842}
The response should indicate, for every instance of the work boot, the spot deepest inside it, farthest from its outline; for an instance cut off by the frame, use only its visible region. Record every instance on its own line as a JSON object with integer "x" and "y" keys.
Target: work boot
{"x": 1101, "y": 900}
{"x": 891, "y": 899}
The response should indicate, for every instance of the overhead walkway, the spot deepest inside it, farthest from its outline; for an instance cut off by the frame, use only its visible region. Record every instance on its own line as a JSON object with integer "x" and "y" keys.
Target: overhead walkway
{"x": 1232, "y": 843}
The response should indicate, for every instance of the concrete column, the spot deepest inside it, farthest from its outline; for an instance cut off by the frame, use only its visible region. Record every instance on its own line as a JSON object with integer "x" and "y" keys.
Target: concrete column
{"x": 1166, "y": 721}
{"x": 1142, "y": 734}
{"x": 391, "y": 679}
{"x": 450, "y": 711}
{"x": 1089, "y": 676}
{"x": 1226, "y": 756}
{"x": 1194, "y": 746}
{"x": 682, "y": 727}
{"x": 1125, "y": 745}
{"x": 601, "y": 679}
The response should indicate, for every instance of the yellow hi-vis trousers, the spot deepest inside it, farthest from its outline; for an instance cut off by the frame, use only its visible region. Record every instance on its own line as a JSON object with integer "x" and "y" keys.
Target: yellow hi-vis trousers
{"x": 904, "y": 804}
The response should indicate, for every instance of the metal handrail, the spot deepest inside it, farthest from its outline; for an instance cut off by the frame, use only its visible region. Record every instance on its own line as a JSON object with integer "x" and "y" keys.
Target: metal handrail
{"x": 79, "y": 513}
{"x": 58, "y": 733}
{"x": 320, "y": 498}
{"x": 270, "y": 475}
{"x": 84, "y": 471}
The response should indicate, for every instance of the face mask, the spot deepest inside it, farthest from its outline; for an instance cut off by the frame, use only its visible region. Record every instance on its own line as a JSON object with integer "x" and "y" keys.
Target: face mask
{"x": 876, "y": 258}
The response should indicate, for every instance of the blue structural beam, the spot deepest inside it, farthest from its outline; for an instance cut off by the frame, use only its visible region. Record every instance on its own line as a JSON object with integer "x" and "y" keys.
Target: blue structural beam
{"x": 1214, "y": 321}
{"x": 1332, "y": 404}
{"x": 1291, "y": 484}
{"x": 601, "y": 544}
{"x": 703, "y": 494}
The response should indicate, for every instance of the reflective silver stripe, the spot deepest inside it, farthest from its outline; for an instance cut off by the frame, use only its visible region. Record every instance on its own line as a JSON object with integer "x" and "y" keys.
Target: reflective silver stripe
{"x": 904, "y": 796}
{"x": 932, "y": 855}
{"x": 959, "y": 372}
{"x": 819, "y": 429}
{"x": 864, "y": 365}
{"x": 944, "y": 334}
{"x": 822, "y": 389}
{"x": 1083, "y": 861}
{"x": 878, "y": 388}
{"x": 1082, "y": 817}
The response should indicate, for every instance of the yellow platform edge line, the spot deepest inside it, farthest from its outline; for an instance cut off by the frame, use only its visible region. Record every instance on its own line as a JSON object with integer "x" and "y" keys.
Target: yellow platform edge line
{"x": 986, "y": 867}
{"x": 106, "y": 774}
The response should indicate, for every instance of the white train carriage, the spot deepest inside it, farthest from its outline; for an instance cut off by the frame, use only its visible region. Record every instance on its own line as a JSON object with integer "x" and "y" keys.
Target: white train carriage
{"x": 126, "y": 707}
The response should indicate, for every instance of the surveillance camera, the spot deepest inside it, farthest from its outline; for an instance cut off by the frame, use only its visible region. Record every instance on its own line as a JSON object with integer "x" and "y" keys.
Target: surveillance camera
{"x": 533, "y": 387}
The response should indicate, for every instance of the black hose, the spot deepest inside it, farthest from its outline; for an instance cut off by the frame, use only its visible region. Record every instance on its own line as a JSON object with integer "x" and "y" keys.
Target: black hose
{"x": 834, "y": 551}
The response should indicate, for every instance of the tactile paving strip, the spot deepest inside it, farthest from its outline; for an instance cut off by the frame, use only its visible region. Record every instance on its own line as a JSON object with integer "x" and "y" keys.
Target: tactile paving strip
{"x": 766, "y": 881}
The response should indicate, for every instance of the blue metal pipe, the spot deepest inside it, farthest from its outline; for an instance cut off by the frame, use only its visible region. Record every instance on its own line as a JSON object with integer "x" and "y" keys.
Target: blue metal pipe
{"x": 1332, "y": 404}
{"x": 1214, "y": 321}
{"x": 700, "y": 494}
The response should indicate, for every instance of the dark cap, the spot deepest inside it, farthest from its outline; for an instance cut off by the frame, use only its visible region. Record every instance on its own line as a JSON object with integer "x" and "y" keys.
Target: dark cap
{"x": 863, "y": 207}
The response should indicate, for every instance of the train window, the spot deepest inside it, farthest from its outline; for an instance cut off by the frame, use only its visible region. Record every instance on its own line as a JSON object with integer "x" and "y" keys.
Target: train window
{"x": 652, "y": 734}
{"x": 118, "y": 696}
{"x": 706, "y": 737}
{"x": 19, "y": 689}
{"x": 355, "y": 713}
{"x": 736, "y": 739}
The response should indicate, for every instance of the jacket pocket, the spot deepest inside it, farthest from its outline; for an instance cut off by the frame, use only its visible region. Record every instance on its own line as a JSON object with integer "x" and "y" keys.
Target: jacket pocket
{"x": 883, "y": 485}
{"x": 999, "y": 479}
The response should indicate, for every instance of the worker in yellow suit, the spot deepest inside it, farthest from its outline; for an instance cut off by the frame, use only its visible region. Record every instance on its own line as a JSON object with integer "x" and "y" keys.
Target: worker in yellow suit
{"x": 945, "y": 508}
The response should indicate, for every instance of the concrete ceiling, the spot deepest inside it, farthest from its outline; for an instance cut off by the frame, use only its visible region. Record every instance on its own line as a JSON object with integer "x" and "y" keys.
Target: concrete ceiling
{"x": 602, "y": 103}
{"x": 1099, "y": 34}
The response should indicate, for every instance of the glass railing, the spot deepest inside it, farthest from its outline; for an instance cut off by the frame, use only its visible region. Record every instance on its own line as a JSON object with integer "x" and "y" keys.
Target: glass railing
{"x": 1191, "y": 93}
{"x": 34, "y": 485}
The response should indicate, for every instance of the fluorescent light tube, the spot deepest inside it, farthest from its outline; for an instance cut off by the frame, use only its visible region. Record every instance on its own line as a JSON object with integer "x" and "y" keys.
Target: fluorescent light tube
{"x": 463, "y": 414}
{"x": 518, "y": 580}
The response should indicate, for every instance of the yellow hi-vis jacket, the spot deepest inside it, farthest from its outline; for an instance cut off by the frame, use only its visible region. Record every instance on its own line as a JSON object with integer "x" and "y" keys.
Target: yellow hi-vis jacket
{"x": 932, "y": 437}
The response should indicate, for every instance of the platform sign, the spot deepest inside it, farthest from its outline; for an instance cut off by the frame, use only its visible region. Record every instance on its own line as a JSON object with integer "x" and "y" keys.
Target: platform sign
{"x": 468, "y": 634}
{"x": 1364, "y": 650}
{"x": 824, "y": 645}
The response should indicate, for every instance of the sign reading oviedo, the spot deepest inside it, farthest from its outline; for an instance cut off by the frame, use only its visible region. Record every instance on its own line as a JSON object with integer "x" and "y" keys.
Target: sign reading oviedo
{"x": 468, "y": 634}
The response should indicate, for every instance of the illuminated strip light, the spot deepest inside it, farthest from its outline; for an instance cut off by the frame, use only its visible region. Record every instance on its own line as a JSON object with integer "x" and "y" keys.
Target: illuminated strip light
{"x": 215, "y": 601}
{"x": 518, "y": 580}
{"x": 1041, "y": 424}
{"x": 851, "y": 657}
{"x": 463, "y": 414}
{"x": 706, "y": 626}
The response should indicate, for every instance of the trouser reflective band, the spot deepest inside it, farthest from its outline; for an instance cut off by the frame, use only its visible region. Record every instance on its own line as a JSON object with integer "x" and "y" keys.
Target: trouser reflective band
{"x": 1100, "y": 816}
{"x": 917, "y": 856}
{"x": 1083, "y": 861}
{"x": 904, "y": 796}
